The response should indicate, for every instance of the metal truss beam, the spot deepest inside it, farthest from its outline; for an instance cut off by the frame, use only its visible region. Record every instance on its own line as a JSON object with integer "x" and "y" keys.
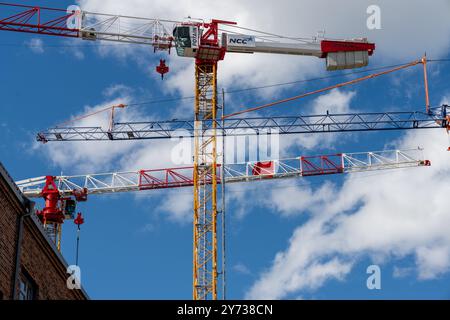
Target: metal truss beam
{"x": 86, "y": 25}
{"x": 205, "y": 274}
{"x": 40, "y": 20}
{"x": 302, "y": 166}
{"x": 370, "y": 121}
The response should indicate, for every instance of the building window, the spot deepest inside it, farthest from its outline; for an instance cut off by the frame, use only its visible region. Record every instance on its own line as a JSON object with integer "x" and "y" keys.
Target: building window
{"x": 27, "y": 287}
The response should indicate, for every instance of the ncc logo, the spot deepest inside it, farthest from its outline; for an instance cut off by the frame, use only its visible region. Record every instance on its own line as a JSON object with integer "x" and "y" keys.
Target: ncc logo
{"x": 241, "y": 40}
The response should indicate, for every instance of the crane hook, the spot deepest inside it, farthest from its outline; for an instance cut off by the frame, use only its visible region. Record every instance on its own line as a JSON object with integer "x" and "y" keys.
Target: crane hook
{"x": 162, "y": 68}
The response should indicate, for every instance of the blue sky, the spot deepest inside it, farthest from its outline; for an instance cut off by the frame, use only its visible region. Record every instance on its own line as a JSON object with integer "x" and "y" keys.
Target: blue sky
{"x": 136, "y": 247}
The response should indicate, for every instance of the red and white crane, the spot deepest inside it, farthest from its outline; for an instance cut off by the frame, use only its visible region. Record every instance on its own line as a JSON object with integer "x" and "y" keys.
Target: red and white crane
{"x": 203, "y": 41}
{"x": 79, "y": 187}
{"x": 61, "y": 193}
{"x": 207, "y": 43}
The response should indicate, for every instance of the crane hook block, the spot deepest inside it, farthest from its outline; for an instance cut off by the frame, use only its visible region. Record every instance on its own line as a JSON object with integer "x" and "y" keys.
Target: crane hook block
{"x": 162, "y": 69}
{"x": 79, "y": 220}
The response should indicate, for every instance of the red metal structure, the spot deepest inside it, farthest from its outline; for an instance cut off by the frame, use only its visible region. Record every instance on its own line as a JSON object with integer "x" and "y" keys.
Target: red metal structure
{"x": 329, "y": 46}
{"x": 313, "y": 166}
{"x": 52, "y": 212}
{"x": 266, "y": 168}
{"x": 57, "y": 189}
{"x": 58, "y": 208}
{"x": 40, "y": 20}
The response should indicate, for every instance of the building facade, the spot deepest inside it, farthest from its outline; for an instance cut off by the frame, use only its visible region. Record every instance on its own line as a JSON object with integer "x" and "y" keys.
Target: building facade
{"x": 30, "y": 265}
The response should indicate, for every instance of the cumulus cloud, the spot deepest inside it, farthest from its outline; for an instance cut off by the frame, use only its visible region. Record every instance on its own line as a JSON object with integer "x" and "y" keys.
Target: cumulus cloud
{"x": 399, "y": 215}
{"x": 335, "y": 101}
{"x": 117, "y": 90}
{"x": 241, "y": 268}
{"x": 98, "y": 156}
{"x": 399, "y": 272}
{"x": 433, "y": 259}
{"x": 298, "y": 198}
{"x": 178, "y": 204}
{"x": 36, "y": 45}
{"x": 92, "y": 156}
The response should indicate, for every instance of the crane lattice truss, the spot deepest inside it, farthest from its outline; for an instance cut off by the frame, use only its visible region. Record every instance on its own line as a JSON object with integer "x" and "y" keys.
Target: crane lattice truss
{"x": 205, "y": 183}
{"x": 77, "y": 23}
{"x": 436, "y": 118}
{"x": 297, "y": 167}
{"x": 86, "y": 25}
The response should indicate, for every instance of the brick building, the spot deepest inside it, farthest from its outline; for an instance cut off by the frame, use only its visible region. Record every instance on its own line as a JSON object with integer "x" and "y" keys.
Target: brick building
{"x": 30, "y": 265}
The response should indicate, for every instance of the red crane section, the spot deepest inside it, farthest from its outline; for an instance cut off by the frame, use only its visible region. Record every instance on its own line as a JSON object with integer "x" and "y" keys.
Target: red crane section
{"x": 41, "y": 20}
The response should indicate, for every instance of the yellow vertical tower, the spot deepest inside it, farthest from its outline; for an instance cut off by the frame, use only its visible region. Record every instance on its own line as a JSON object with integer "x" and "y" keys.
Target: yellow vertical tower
{"x": 205, "y": 193}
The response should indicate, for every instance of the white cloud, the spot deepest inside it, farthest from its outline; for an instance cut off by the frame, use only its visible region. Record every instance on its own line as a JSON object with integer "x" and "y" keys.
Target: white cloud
{"x": 394, "y": 215}
{"x": 117, "y": 90}
{"x": 92, "y": 156}
{"x": 399, "y": 272}
{"x": 74, "y": 48}
{"x": 335, "y": 101}
{"x": 98, "y": 156}
{"x": 177, "y": 204}
{"x": 36, "y": 45}
{"x": 78, "y": 53}
{"x": 299, "y": 198}
{"x": 241, "y": 268}
{"x": 434, "y": 260}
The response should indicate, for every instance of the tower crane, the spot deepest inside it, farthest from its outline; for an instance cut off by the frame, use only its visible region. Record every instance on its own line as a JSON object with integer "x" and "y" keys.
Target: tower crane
{"x": 69, "y": 187}
{"x": 207, "y": 43}
{"x": 61, "y": 193}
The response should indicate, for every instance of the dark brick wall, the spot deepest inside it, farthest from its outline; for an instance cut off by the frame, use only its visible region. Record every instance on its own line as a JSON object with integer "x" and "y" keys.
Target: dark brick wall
{"x": 38, "y": 257}
{"x": 9, "y": 207}
{"x": 43, "y": 265}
